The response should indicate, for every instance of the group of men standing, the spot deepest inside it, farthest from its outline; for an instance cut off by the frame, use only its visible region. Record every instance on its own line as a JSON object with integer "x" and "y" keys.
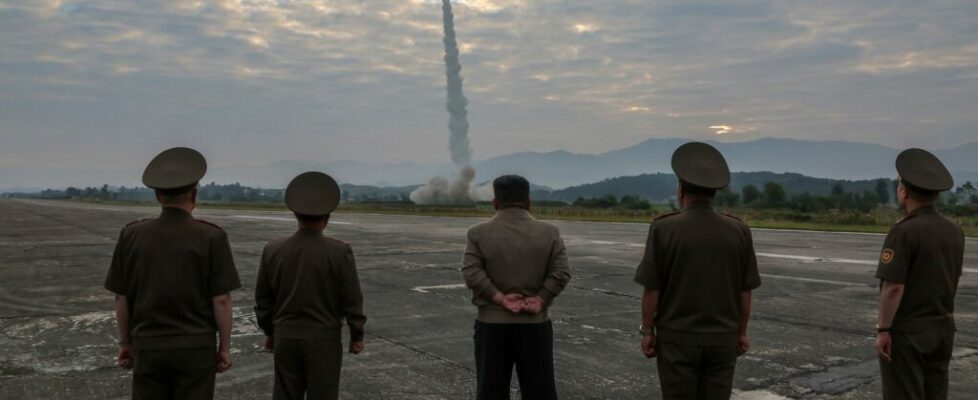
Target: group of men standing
{"x": 172, "y": 276}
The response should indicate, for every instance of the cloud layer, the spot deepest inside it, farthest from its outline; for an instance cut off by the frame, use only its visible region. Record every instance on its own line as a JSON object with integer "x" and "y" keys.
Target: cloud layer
{"x": 104, "y": 85}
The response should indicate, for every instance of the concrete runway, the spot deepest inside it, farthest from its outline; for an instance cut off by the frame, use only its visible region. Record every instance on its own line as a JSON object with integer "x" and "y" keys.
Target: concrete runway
{"x": 811, "y": 331}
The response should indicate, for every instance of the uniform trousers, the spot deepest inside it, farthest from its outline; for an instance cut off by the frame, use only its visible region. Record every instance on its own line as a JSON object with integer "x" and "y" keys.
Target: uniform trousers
{"x": 307, "y": 368}
{"x": 530, "y": 347}
{"x": 174, "y": 374}
{"x": 919, "y": 365}
{"x": 691, "y": 372}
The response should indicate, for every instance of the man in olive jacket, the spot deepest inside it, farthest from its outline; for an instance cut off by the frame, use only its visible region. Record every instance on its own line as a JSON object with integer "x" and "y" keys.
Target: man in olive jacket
{"x": 698, "y": 272}
{"x": 172, "y": 277}
{"x": 919, "y": 270}
{"x": 515, "y": 266}
{"x": 307, "y": 286}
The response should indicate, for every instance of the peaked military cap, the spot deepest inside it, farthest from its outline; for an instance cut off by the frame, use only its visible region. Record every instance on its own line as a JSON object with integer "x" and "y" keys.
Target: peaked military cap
{"x": 702, "y": 165}
{"x": 923, "y": 170}
{"x": 175, "y": 168}
{"x": 312, "y": 193}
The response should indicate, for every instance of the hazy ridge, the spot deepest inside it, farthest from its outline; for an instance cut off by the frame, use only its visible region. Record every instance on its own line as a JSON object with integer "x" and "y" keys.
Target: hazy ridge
{"x": 556, "y": 169}
{"x": 560, "y": 169}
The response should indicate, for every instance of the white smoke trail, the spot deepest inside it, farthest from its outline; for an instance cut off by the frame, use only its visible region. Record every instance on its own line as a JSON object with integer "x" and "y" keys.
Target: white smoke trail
{"x": 458, "y": 120}
{"x": 461, "y": 190}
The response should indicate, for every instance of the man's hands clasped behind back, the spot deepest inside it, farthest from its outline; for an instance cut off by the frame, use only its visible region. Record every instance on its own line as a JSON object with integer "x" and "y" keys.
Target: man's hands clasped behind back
{"x": 518, "y": 303}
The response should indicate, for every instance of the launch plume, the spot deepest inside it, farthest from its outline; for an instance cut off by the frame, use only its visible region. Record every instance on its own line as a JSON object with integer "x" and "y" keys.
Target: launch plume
{"x": 462, "y": 189}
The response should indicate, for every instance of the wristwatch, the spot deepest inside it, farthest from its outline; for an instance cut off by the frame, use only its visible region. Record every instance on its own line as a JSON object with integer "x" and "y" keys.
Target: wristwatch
{"x": 646, "y": 331}
{"x": 882, "y": 330}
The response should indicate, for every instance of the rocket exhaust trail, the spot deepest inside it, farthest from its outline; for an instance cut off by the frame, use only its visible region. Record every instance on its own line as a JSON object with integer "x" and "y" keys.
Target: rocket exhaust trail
{"x": 458, "y": 120}
{"x": 461, "y": 190}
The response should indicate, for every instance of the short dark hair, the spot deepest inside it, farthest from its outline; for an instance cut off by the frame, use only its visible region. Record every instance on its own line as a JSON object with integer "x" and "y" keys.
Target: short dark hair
{"x": 511, "y": 190}
{"x": 173, "y": 195}
{"x": 692, "y": 189}
{"x": 920, "y": 194}
{"x": 311, "y": 219}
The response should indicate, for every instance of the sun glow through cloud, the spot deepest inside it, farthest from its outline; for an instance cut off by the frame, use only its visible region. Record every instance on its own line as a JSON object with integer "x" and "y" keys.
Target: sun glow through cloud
{"x": 721, "y": 129}
{"x": 585, "y": 28}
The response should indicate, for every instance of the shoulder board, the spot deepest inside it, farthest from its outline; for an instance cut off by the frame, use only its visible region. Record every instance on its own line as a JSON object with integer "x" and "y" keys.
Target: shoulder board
{"x": 138, "y": 221}
{"x": 732, "y": 216}
{"x": 666, "y": 215}
{"x": 209, "y": 223}
{"x": 337, "y": 240}
{"x": 907, "y": 218}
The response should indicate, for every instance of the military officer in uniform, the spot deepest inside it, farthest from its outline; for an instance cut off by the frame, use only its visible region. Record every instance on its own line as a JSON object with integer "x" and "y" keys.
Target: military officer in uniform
{"x": 919, "y": 269}
{"x": 172, "y": 277}
{"x": 515, "y": 267}
{"x": 307, "y": 285}
{"x": 698, "y": 272}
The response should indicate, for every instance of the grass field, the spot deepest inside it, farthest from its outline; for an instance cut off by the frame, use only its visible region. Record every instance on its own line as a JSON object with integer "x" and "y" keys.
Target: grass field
{"x": 878, "y": 221}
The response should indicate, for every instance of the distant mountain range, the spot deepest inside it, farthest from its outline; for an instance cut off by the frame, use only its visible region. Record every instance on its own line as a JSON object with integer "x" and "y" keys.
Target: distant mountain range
{"x": 561, "y": 169}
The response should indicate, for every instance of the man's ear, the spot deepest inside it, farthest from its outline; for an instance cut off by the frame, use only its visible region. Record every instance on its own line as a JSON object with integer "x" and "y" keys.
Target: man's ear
{"x": 495, "y": 204}
{"x": 158, "y": 198}
{"x": 529, "y": 202}
{"x": 193, "y": 196}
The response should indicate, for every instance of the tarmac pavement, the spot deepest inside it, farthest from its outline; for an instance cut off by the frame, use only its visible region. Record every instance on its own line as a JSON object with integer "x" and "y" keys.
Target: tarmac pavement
{"x": 811, "y": 330}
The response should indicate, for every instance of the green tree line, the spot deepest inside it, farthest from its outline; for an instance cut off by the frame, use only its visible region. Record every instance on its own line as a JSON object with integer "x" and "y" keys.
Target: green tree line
{"x": 772, "y": 195}
{"x": 211, "y": 192}
{"x": 216, "y": 193}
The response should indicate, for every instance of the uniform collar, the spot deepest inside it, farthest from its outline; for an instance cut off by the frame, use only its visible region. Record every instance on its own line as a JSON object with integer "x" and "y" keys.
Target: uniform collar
{"x": 928, "y": 209}
{"x": 174, "y": 213}
{"x": 308, "y": 231}
{"x": 699, "y": 206}
{"x": 513, "y": 213}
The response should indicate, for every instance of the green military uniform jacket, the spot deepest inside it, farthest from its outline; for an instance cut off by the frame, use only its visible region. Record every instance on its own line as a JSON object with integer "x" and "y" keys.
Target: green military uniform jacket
{"x": 924, "y": 251}
{"x": 170, "y": 269}
{"x": 307, "y": 285}
{"x": 514, "y": 253}
{"x": 700, "y": 261}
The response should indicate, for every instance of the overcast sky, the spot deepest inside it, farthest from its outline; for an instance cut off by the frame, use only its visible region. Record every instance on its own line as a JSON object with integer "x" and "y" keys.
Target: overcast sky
{"x": 105, "y": 85}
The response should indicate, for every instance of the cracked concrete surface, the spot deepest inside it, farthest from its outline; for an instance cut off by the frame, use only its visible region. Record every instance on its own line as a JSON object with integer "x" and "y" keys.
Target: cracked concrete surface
{"x": 812, "y": 327}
